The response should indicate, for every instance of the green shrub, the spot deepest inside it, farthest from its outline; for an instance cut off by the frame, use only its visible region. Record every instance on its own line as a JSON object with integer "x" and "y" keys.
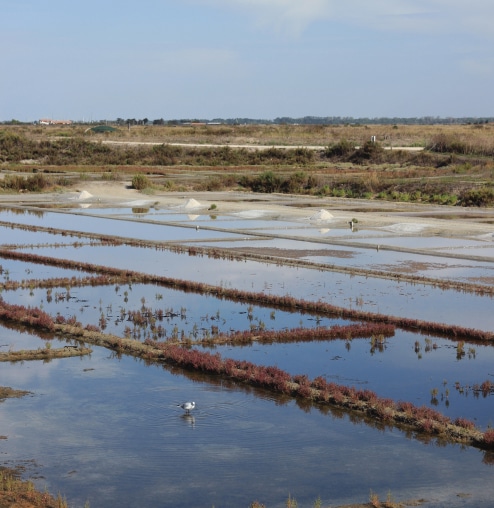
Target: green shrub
{"x": 166, "y": 155}
{"x": 34, "y": 183}
{"x": 140, "y": 182}
{"x": 477, "y": 197}
{"x": 325, "y": 190}
{"x": 369, "y": 152}
{"x": 341, "y": 149}
{"x": 265, "y": 182}
{"x": 295, "y": 182}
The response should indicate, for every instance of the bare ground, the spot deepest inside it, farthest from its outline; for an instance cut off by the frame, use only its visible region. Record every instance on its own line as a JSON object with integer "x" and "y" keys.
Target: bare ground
{"x": 449, "y": 221}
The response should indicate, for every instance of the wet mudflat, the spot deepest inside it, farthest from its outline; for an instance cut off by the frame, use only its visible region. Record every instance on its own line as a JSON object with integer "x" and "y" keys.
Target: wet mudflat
{"x": 94, "y": 415}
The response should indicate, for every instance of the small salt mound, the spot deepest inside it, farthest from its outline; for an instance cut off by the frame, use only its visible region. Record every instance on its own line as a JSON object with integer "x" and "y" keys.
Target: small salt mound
{"x": 84, "y": 195}
{"x": 250, "y": 214}
{"x": 192, "y": 203}
{"x": 485, "y": 236}
{"x": 139, "y": 203}
{"x": 406, "y": 228}
{"x": 321, "y": 215}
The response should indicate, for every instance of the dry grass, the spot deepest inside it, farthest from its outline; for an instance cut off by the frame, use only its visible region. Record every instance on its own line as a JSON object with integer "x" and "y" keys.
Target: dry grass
{"x": 323, "y": 135}
{"x": 22, "y": 494}
{"x": 457, "y": 167}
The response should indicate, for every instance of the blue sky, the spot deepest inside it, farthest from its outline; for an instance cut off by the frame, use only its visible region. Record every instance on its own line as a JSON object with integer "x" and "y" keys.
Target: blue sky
{"x": 103, "y": 59}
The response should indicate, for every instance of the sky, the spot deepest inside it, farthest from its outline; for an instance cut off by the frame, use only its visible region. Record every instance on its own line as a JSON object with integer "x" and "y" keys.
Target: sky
{"x": 263, "y": 59}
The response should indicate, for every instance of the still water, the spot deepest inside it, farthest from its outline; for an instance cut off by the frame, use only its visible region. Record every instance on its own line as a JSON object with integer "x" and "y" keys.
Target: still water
{"x": 369, "y": 294}
{"x": 107, "y": 431}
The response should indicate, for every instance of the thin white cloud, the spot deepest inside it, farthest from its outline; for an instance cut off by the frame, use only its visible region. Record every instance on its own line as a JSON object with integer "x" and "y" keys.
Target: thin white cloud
{"x": 432, "y": 16}
{"x": 290, "y": 16}
{"x": 295, "y": 16}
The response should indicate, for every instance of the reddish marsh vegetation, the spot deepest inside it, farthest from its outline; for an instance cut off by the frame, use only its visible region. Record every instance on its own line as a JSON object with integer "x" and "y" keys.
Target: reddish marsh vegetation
{"x": 260, "y": 298}
{"x": 366, "y": 402}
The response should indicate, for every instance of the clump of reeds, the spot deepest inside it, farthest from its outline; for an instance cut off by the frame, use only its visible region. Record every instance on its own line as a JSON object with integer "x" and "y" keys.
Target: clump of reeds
{"x": 305, "y": 334}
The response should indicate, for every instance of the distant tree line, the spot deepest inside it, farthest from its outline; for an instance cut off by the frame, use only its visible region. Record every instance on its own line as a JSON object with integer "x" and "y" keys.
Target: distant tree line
{"x": 315, "y": 120}
{"x": 306, "y": 120}
{"x": 320, "y": 120}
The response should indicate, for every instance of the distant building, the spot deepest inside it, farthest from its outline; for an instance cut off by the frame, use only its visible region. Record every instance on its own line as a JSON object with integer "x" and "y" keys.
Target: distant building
{"x": 47, "y": 121}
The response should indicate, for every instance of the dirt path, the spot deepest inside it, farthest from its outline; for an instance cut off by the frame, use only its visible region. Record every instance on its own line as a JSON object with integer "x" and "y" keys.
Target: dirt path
{"x": 247, "y": 147}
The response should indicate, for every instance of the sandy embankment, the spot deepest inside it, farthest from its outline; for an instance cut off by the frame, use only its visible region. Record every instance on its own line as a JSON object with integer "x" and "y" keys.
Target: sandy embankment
{"x": 439, "y": 220}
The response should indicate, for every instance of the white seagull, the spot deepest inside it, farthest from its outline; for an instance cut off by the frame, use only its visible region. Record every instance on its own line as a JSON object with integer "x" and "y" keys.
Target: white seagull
{"x": 187, "y": 406}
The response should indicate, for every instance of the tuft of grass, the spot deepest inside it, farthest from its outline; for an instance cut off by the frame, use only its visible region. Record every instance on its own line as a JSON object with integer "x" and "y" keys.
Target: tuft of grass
{"x": 374, "y": 499}
{"x": 24, "y": 492}
{"x": 291, "y": 502}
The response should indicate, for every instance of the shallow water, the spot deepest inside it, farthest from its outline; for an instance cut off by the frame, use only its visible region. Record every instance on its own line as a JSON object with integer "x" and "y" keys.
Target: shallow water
{"x": 17, "y": 271}
{"x": 398, "y": 369}
{"x": 356, "y": 362}
{"x": 107, "y": 431}
{"x": 116, "y": 227}
{"x": 338, "y": 247}
{"x": 17, "y": 236}
{"x": 369, "y": 294}
{"x": 191, "y": 314}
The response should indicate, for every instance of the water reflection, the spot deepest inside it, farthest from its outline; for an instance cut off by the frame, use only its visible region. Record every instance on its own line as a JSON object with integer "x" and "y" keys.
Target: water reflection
{"x": 378, "y": 295}
{"x": 189, "y": 420}
{"x": 111, "y": 436}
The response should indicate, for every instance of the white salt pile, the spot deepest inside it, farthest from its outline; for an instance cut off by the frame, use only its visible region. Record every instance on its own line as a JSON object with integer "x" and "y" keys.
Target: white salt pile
{"x": 192, "y": 203}
{"x": 321, "y": 215}
{"x": 84, "y": 195}
{"x": 139, "y": 203}
{"x": 250, "y": 214}
{"x": 406, "y": 228}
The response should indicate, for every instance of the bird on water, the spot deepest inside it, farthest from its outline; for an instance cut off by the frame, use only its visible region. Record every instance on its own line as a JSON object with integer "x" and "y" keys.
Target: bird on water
{"x": 187, "y": 406}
